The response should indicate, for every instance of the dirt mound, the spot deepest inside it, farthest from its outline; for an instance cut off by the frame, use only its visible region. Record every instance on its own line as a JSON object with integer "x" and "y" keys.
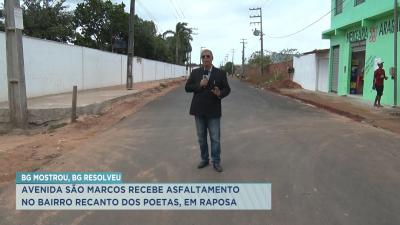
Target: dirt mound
{"x": 287, "y": 83}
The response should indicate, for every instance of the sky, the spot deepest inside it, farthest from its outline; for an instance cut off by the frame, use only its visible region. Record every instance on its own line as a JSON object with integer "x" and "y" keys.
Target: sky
{"x": 221, "y": 24}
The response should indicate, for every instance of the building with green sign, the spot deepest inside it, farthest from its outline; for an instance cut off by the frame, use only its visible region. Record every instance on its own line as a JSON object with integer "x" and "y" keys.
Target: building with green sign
{"x": 361, "y": 34}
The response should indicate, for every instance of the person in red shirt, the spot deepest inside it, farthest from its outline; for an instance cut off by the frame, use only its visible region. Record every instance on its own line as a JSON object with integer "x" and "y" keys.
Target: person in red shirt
{"x": 379, "y": 75}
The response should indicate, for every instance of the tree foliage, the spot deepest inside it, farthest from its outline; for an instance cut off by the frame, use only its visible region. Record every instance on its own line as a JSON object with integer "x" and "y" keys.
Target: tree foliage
{"x": 284, "y": 55}
{"x": 103, "y": 25}
{"x": 99, "y": 23}
{"x": 273, "y": 57}
{"x": 145, "y": 38}
{"x": 180, "y": 42}
{"x": 256, "y": 59}
{"x": 228, "y": 67}
{"x": 47, "y": 19}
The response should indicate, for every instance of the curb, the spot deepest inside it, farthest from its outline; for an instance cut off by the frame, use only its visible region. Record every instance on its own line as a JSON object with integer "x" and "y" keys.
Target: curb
{"x": 42, "y": 116}
{"x": 350, "y": 115}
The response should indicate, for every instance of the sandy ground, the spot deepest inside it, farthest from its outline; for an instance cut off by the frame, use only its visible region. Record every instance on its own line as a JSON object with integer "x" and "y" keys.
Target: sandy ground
{"x": 33, "y": 151}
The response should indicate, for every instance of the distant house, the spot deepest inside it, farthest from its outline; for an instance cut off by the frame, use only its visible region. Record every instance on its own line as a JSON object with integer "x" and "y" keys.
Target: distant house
{"x": 311, "y": 70}
{"x": 361, "y": 33}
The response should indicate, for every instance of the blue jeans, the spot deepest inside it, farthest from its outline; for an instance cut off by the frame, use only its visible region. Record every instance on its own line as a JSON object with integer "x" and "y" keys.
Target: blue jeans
{"x": 213, "y": 126}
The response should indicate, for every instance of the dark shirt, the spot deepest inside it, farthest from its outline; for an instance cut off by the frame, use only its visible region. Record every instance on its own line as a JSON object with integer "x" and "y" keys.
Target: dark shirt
{"x": 379, "y": 75}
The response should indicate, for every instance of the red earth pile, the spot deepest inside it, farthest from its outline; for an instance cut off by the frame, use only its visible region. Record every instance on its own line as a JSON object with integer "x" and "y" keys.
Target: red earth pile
{"x": 285, "y": 84}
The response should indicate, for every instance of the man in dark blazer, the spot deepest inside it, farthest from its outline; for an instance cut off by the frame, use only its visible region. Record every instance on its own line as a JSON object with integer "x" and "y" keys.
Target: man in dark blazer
{"x": 209, "y": 85}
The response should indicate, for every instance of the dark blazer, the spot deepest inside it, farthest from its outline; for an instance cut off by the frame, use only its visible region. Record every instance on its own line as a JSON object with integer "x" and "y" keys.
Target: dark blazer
{"x": 204, "y": 102}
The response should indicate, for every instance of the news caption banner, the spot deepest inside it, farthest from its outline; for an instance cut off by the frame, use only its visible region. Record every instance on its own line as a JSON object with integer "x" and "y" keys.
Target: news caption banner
{"x": 106, "y": 191}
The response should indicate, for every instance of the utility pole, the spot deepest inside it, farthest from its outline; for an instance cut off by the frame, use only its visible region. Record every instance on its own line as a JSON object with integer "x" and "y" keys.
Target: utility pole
{"x": 396, "y": 18}
{"x": 259, "y": 33}
{"x": 129, "y": 76}
{"x": 15, "y": 64}
{"x": 233, "y": 53}
{"x": 243, "y": 43}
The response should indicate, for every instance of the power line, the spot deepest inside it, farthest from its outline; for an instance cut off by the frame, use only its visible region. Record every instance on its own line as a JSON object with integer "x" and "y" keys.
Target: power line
{"x": 146, "y": 10}
{"x": 150, "y": 15}
{"x": 180, "y": 9}
{"x": 176, "y": 14}
{"x": 304, "y": 28}
{"x": 309, "y": 25}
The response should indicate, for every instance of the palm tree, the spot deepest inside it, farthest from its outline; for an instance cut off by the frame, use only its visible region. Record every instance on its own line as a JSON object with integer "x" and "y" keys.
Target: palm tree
{"x": 182, "y": 36}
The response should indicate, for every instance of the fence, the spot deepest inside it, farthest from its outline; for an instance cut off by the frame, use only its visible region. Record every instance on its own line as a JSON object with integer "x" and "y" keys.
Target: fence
{"x": 52, "y": 68}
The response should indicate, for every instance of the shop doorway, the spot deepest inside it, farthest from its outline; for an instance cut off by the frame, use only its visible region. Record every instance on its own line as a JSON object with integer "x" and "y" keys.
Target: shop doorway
{"x": 357, "y": 68}
{"x": 335, "y": 69}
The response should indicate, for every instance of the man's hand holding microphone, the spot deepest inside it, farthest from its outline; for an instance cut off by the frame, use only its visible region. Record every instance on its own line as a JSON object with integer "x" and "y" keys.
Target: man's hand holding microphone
{"x": 204, "y": 81}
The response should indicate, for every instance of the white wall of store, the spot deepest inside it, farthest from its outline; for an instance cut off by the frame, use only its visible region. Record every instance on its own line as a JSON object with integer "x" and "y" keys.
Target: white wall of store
{"x": 323, "y": 74}
{"x": 305, "y": 71}
{"x": 311, "y": 71}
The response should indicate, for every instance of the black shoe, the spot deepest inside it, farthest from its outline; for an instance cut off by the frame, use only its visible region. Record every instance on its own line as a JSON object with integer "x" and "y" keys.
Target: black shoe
{"x": 217, "y": 167}
{"x": 202, "y": 164}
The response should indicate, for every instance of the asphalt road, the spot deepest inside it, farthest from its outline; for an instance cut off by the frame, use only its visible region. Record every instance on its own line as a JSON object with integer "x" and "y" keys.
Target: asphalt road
{"x": 324, "y": 169}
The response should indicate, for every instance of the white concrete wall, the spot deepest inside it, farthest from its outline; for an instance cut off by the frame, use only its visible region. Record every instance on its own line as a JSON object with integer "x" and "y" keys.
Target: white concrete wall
{"x": 49, "y": 67}
{"x": 159, "y": 71}
{"x": 305, "y": 71}
{"x": 149, "y": 70}
{"x": 137, "y": 70}
{"x": 3, "y": 69}
{"x": 52, "y": 68}
{"x": 323, "y": 73}
{"x": 100, "y": 69}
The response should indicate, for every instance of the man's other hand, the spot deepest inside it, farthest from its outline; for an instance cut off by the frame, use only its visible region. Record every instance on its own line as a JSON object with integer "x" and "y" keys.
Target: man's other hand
{"x": 216, "y": 91}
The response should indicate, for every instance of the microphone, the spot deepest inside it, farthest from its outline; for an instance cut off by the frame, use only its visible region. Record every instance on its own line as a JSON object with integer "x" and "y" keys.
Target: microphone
{"x": 205, "y": 77}
{"x": 205, "y": 74}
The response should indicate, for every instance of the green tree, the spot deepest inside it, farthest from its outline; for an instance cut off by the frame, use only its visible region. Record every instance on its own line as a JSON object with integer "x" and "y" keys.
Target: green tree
{"x": 228, "y": 68}
{"x": 145, "y": 35}
{"x": 256, "y": 59}
{"x": 47, "y": 19}
{"x": 162, "y": 51}
{"x": 119, "y": 26}
{"x": 182, "y": 37}
{"x": 284, "y": 55}
{"x": 98, "y": 23}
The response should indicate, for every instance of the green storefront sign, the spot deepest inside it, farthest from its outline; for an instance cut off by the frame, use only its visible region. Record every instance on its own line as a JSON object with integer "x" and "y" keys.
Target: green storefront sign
{"x": 370, "y": 33}
{"x": 360, "y": 34}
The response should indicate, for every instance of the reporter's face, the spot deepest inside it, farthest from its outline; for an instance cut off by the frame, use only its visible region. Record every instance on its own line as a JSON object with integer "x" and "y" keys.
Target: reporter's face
{"x": 206, "y": 58}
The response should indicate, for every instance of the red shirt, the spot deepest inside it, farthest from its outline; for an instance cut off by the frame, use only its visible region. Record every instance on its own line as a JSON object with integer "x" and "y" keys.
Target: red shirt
{"x": 379, "y": 75}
